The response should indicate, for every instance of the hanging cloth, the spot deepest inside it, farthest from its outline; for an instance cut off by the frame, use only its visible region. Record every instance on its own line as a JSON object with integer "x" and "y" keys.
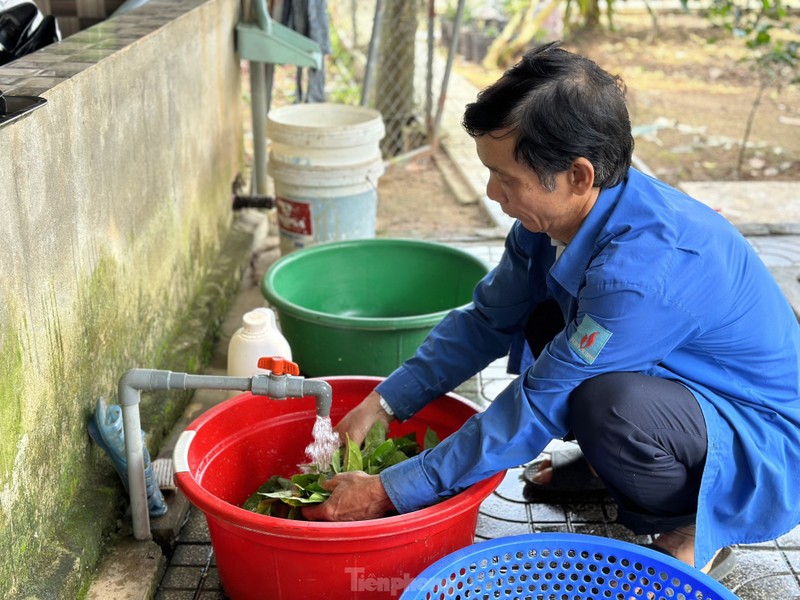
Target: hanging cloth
{"x": 310, "y": 18}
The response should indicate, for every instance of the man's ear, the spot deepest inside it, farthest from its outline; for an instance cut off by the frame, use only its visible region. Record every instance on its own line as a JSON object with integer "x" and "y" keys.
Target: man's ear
{"x": 581, "y": 176}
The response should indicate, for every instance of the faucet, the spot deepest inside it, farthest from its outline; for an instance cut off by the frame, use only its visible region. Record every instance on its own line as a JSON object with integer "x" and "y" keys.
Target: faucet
{"x": 281, "y": 381}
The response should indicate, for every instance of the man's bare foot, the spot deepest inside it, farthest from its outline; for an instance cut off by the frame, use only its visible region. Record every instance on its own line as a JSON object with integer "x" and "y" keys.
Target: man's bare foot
{"x": 680, "y": 544}
{"x": 544, "y": 474}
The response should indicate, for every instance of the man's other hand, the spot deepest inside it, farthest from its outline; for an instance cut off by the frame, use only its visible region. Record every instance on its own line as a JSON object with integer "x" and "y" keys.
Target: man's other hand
{"x": 355, "y": 496}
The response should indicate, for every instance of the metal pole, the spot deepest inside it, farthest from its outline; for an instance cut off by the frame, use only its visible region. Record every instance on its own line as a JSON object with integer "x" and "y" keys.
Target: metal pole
{"x": 373, "y": 51}
{"x": 429, "y": 73}
{"x": 258, "y": 105}
{"x": 445, "y": 80}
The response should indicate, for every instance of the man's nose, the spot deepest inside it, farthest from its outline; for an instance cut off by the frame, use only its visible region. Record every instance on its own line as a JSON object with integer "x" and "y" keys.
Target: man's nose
{"x": 494, "y": 190}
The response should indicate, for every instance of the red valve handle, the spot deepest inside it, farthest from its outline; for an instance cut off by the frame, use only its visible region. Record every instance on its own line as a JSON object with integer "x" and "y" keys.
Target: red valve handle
{"x": 278, "y": 365}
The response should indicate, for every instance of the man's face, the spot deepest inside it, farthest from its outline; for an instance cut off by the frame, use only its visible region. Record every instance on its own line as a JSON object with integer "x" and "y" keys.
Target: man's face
{"x": 518, "y": 191}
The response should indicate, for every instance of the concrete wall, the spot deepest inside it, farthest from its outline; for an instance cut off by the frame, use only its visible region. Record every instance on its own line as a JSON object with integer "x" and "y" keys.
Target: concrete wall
{"x": 114, "y": 206}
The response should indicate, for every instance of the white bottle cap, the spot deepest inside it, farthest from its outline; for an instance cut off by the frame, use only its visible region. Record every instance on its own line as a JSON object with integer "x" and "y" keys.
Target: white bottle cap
{"x": 255, "y": 322}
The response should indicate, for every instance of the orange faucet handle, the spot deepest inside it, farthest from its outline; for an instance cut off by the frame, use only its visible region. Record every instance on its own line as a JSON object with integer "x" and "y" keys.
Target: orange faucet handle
{"x": 278, "y": 365}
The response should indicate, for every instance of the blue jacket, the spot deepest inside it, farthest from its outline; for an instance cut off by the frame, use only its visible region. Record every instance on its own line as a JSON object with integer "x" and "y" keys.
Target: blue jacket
{"x": 654, "y": 282}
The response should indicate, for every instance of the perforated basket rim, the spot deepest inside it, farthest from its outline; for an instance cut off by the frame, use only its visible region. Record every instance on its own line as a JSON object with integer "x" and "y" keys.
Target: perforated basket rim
{"x": 444, "y": 568}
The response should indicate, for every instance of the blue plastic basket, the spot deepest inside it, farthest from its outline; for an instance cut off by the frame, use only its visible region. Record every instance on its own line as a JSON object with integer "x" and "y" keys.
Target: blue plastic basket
{"x": 562, "y": 566}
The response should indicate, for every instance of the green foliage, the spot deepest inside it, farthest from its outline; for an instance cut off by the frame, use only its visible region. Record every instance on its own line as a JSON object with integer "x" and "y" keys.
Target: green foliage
{"x": 774, "y": 48}
{"x": 283, "y": 498}
{"x": 342, "y": 87}
{"x": 766, "y": 31}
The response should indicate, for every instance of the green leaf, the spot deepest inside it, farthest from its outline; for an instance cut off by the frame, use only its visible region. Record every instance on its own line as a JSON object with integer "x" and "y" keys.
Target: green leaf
{"x": 281, "y": 495}
{"x": 315, "y": 498}
{"x": 265, "y": 506}
{"x": 336, "y": 460}
{"x": 354, "y": 460}
{"x": 394, "y": 458}
{"x": 283, "y": 498}
{"x": 407, "y": 444}
{"x": 431, "y": 439}
{"x": 382, "y": 451}
{"x": 375, "y": 437}
{"x": 272, "y": 484}
{"x": 308, "y": 480}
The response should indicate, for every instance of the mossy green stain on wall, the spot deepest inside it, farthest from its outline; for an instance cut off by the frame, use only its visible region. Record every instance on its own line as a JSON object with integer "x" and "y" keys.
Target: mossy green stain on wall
{"x": 113, "y": 328}
{"x": 10, "y": 388}
{"x": 111, "y": 226}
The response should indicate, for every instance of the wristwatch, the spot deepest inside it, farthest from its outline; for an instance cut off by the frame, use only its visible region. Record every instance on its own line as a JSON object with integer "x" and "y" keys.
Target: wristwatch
{"x": 385, "y": 406}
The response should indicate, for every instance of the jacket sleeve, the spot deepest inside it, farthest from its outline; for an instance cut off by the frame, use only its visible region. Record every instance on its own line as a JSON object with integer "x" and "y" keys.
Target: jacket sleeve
{"x": 468, "y": 339}
{"x": 606, "y": 335}
{"x": 505, "y": 435}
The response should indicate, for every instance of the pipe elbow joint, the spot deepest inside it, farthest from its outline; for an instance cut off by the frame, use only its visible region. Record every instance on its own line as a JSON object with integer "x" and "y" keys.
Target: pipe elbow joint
{"x": 322, "y": 391}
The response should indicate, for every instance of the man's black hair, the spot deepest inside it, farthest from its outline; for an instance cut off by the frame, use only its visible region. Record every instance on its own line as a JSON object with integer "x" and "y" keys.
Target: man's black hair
{"x": 561, "y": 106}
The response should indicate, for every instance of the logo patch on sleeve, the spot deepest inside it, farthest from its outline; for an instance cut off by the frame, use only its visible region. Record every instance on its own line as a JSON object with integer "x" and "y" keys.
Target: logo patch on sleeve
{"x": 589, "y": 339}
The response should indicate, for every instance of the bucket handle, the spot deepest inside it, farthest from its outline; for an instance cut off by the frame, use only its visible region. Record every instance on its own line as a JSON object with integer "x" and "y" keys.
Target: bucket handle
{"x": 180, "y": 457}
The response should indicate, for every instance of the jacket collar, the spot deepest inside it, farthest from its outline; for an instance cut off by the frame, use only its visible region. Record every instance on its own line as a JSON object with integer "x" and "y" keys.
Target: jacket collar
{"x": 568, "y": 271}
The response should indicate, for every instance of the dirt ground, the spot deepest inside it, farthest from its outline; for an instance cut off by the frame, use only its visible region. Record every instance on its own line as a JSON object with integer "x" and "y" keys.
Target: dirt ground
{"x": 690, "y": 93}
{"x": 415, "y": 200}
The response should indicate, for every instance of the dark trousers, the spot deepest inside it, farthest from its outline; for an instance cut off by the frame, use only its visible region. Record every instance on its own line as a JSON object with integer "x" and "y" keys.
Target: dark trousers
{"x": 646, "y": 438}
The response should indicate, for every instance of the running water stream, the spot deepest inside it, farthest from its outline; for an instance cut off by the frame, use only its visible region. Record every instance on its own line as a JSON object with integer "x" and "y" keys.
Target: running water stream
{"x": 325, "y": 443}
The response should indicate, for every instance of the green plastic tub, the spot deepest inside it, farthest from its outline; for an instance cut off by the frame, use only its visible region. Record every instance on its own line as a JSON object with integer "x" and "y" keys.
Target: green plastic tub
{"x": 362, "y": 307}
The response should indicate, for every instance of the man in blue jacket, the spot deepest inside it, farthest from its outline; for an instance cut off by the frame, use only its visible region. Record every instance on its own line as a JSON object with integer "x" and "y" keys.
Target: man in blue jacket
{"x": 676, "y": 368}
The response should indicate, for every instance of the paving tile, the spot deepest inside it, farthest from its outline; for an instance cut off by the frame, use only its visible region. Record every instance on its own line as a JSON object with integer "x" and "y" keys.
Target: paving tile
{"x": 512, "y": 486}
{"x": 490, "y": 528}
{"x": 211, "y": 581}
{"x": 492, "y": 388}
{"x": 777, "y": 250}
{"x": 547, "y": 513}
{"x": 585, "y": 513}
{"x": 767, "y": 587}
{"x": 793, "y": 559}
{"x": 790, "y": 540}
{"x": 497, "y": 370}
{"x": 191, "y": 555}
{"x": 174, "y": 595}
{"x": 496, "y": 507}
{"x": 196, "y": 528}
{"x": 182, "y": 578}
{"x": 759, "y": 570}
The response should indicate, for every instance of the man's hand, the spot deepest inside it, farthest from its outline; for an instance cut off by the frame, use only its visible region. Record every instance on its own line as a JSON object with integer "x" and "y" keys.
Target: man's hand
{"x": 360, "y": 419}
{"x": 355, "y": 496}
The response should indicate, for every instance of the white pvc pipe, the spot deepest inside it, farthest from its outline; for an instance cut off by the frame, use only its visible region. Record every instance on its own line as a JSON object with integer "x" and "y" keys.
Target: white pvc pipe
{"x": 134, "y": 381}
{"x": 134, "y": 454}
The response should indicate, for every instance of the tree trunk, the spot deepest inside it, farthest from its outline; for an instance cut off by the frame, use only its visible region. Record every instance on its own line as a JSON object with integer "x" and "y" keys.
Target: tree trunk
{"x": 508, "y": 46}
{"x": 497, "y": 49}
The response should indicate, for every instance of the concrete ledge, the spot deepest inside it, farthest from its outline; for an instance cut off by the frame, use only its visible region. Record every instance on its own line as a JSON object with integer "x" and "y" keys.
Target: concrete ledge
{"x": 787, "y": 278}
{"x": 754, "y": 207}
{"x": 129, "y": 561}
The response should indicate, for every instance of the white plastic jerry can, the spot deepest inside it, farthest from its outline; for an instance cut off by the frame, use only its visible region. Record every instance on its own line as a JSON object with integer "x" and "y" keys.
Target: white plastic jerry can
{"x": 258, "y": 336}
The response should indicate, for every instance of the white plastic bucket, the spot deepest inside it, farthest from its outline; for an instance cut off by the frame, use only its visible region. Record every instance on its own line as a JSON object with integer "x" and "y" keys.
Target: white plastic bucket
{"x": 325, "y": 160}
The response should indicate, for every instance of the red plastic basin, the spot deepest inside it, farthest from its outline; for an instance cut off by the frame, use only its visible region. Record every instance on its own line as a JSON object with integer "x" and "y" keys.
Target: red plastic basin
{"x": 228, "y": 452}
